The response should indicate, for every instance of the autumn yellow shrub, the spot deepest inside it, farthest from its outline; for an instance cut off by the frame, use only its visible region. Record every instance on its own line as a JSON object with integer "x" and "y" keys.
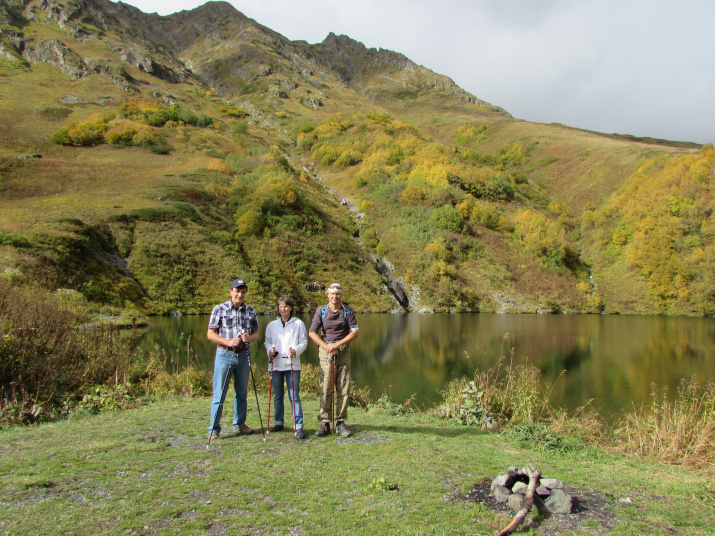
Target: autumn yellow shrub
{"x": 412, "y": 196}
{"x": 219, "y": 165}
{"x": 540, "y": 237}
{"x": 248, "y": 224}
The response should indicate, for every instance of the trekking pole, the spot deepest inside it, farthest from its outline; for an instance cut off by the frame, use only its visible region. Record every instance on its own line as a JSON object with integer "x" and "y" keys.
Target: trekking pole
{"x": 292, "y": 388}
{"x": 223, "y": 396}
{"x": 255, "y": 391}
{"x": 332, "y": 405}
{"x": 270, "y": 391}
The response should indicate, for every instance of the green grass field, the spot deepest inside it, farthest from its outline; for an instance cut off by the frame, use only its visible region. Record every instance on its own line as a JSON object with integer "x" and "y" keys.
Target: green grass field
{"x": 148, "y": 471}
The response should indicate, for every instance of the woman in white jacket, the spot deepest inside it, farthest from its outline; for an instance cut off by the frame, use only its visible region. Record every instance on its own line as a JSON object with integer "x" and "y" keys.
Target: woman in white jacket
{"x": 286, "y": 338}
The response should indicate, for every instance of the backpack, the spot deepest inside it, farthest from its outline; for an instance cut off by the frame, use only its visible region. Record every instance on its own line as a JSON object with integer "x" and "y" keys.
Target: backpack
{"x": 322, "y": 317}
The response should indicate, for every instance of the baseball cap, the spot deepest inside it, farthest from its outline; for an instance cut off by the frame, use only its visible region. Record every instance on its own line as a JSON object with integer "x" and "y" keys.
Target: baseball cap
{"x": 239, "y": 283}
{"x": 335, "y": 287}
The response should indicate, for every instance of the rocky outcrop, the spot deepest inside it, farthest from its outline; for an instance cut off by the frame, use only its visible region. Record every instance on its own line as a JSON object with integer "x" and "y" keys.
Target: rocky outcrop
{"x": 11, "y": 44}
{"x": 223, "y": 49}
{"x": 56, "y": 53}
{"x": 394, "y": 286}
{"x": 147, "y": 64}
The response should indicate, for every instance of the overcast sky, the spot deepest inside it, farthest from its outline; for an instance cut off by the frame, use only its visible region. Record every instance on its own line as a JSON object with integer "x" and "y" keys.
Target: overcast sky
{"x": 641, "y": 67}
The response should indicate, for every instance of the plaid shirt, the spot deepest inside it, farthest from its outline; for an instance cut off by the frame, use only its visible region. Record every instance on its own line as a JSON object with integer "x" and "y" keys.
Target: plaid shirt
{"x": 230, "y": 322}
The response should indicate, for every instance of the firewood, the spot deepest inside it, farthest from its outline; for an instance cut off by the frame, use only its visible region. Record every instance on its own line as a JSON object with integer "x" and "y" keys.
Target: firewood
{"x": 534, "y": 475}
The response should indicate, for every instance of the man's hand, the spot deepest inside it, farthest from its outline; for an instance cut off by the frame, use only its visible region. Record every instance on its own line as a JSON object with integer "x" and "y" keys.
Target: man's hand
{"x": 332, "y": 348}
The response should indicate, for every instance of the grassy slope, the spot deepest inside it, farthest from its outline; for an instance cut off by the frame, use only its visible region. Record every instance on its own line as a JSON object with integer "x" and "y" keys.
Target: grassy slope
{"x": 147, "y": 471}
{"x": 96, "y": 184}
{"x": 577, "y": 166}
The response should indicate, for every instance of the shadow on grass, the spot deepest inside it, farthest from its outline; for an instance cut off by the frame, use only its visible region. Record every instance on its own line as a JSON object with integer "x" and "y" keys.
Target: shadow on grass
{"x": 422, "y": 430}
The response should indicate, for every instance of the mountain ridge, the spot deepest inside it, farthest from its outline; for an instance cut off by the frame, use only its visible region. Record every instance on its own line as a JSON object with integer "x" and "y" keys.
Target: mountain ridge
{"x": 203, "y": 140}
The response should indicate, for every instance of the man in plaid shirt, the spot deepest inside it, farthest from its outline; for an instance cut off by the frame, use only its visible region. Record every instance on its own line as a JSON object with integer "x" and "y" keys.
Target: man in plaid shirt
{"x": 233, "y": 326}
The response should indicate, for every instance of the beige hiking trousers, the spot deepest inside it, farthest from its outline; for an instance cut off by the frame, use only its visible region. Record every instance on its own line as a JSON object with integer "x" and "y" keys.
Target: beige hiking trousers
{"x": 342, "y": 384}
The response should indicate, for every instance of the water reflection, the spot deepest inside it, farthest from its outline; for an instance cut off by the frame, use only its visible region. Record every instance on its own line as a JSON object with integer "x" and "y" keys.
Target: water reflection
{"x": 612, "y": 360}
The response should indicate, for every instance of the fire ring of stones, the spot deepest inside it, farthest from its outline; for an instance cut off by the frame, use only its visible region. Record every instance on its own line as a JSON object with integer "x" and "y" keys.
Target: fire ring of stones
{"x": 510, "y": 488}
{"x": 590, "y": 511}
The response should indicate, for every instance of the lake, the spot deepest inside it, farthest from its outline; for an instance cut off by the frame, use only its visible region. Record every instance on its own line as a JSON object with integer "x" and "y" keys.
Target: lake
{"x": 609, "y": 359}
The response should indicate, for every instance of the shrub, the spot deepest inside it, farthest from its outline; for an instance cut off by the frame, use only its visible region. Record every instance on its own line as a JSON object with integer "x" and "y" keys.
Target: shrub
{"x": 537, "y": 435}
{"x": 385, "y": 404}
{"x": 219, "y": 165}
{"x": 233, "y": 111}
{"x": 412, "y": 196}
{"x": 447, "y": 218}
{"x": 540, "y": 237}
{"x": 497, "y": 189}
{"x": 144, "y": 136}
{"x": 13, "y": 239}
{"x": 120, "y": 134}
{"x": 504, "y": 395}
{"x": 513, "y": 154}
{"x": 349, "y": 157}
{"x": 249, "y": 223}
{"x": 45, "y": 360}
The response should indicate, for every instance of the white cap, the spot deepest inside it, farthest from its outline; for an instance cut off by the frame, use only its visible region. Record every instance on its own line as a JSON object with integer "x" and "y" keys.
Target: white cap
{"x": 335, "y": 287}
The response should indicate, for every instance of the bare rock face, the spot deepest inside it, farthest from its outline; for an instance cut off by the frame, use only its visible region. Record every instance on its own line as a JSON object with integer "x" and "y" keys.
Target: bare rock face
{"x": 56, "y": 53}
{"x": 314, "y": 287}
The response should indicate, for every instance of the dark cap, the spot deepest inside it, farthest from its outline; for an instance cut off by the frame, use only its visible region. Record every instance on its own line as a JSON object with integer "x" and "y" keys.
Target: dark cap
{"x": 237, "y": 283}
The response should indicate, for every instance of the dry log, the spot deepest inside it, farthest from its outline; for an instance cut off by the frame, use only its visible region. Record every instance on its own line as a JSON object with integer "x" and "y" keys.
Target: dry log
{"x": 534, "y": 475}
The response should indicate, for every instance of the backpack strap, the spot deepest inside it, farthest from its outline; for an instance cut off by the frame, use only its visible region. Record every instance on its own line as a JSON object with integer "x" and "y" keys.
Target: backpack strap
{"x": 346, "y": 309}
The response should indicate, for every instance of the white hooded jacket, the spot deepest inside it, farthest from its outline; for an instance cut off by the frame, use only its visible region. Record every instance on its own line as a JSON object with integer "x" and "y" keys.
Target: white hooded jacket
{"x": 284, "y": 337}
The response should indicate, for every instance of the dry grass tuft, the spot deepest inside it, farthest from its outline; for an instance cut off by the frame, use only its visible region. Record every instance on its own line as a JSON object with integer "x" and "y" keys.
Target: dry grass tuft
{"x": 679, "y": 431}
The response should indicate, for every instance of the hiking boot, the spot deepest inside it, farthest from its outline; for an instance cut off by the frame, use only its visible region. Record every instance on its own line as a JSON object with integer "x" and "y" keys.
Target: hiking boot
{"x": 342, "y": 429}
{"x": 213, "y": 435}
{"x": 323, "y": 430}
{"x": 277, "y": 428}
{"x": 300, "y": 434}
{"x": 245, "y": 430}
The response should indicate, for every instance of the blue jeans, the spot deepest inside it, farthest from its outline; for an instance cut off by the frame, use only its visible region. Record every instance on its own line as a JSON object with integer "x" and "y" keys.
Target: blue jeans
{"x": 293, "y": 382}
{"x": 228, "y": 365}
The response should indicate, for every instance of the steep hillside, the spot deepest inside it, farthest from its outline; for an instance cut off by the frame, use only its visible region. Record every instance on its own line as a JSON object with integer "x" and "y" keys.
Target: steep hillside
{"x": 148, "y": 160}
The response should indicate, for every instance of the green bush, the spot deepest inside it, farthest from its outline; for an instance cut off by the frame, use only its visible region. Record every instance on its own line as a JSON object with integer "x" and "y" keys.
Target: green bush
{"x": 15, "y": 240}
{"x": 497, "y": 189}
{"x": 448, "y": 218}
{"x": 233, "y": 111}
{"x": 120, "y": 135}
{"x": 535, "y": 435}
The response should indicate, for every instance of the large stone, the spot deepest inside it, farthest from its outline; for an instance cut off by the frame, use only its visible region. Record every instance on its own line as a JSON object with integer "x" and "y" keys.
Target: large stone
{"x": 516, "y": 502}
{"x": 502, "y": 480}
{"x": 543, "y": 491}
{"x": 551, "y": 483}
{"x": 513, "y": 471}
{"x": 501, "y": 494}
{"x": 520, "y": 488}
{"x": 559, "y": 502}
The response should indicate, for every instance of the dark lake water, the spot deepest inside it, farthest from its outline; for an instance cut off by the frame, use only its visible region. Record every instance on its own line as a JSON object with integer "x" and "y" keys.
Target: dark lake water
{"x": 612, "y": 360}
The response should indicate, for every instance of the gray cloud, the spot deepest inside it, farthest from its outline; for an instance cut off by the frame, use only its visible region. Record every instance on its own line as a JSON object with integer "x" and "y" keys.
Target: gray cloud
{"x": 641, "y": 67}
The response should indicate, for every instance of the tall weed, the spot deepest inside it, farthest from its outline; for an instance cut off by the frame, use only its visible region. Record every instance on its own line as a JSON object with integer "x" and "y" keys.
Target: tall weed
{"x": 679, "y": 431}
{"x": 503, "y": 395}
{"x": 160, "y": 374}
